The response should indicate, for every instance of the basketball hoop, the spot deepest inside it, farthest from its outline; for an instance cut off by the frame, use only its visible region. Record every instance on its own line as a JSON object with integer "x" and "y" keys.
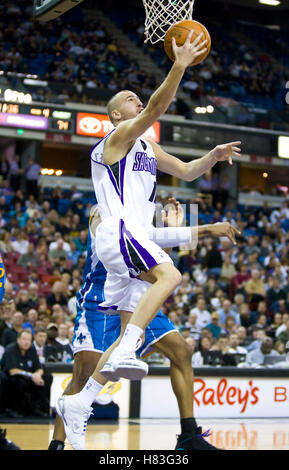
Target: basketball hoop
{"x": 161, "y": 14}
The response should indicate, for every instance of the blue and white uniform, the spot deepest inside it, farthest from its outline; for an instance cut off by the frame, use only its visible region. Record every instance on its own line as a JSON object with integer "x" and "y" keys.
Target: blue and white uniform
{"x": 125, "y": 194}
{"x": 96, "y": 331}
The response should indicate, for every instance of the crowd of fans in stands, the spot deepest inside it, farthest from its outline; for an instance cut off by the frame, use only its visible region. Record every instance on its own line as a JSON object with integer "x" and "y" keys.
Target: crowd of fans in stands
{"x": 84, "y": 55}
{"x": 232, "y": 298}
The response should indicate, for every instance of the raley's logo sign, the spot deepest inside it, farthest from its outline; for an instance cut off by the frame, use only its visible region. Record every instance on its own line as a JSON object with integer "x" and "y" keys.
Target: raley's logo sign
{"x": 223, "y": 394}
{"x": 98, "y": 125}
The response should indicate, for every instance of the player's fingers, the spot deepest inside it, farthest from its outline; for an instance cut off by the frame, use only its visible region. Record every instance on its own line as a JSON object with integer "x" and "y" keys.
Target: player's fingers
{"x": 196, "y": 54}
{"x": 198, "y": 38}
{"x": 189, "y": 37}
{"x": 234, "y": 143}
{"x": 201, "y": 44}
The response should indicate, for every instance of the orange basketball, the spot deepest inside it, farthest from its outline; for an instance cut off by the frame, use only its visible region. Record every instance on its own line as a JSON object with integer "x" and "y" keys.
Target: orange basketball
{"x": 180, "y": 31}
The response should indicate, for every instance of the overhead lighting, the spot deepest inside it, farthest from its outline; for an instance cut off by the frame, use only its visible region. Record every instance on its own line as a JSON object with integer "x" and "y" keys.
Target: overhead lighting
{"x": 283, "y": 146}
{"x": 272, "y": 3}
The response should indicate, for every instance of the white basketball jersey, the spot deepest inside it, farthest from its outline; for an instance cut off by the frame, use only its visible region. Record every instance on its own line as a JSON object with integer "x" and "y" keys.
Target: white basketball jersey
{"x": 128, "y": 187}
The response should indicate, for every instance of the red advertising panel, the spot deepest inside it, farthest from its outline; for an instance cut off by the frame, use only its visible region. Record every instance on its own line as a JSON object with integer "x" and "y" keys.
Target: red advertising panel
{"x": 98, "y": 125}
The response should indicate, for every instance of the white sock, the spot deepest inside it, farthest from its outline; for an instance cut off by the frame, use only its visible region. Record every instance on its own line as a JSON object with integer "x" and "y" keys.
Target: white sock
{"x": 130, "y": 338}
{"x": 90, "y": 391}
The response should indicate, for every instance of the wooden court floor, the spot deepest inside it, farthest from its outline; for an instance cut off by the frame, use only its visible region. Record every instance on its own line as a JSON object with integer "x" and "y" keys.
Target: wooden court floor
{"x": 160, "y": 434}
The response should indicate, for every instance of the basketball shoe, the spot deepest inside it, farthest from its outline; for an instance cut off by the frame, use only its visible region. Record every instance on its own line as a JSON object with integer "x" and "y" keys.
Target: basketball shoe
{"x": 74, "y": 415}
{"x": 5, "y": 444}
{"x": 122, "y": 363}
{"x": 194, "y": 440}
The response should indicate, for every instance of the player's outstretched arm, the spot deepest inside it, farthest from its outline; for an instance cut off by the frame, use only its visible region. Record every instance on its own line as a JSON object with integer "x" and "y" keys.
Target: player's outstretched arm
{"x": 189, "y": 171}
{"x": 159, "y": 102}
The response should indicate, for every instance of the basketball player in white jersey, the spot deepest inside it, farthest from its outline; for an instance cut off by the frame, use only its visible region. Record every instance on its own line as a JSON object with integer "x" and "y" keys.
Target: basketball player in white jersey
{"x": 124, "y": 176}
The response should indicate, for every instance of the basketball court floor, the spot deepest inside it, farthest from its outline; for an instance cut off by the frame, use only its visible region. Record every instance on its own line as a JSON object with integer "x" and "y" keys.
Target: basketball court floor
{"x": 160, "y": 434}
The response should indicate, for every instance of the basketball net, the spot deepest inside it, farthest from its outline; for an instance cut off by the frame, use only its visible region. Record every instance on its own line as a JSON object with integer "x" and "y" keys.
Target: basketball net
{"x": 161, "y": 14}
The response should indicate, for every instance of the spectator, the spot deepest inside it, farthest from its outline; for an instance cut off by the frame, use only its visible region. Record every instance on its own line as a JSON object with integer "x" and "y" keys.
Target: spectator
{"x": 57, "y": 296}
{"x": 32, "y": 172}
{"x": 258, "y": 337}
{"x": 20, "y": 244}
{"x": 255, "y": 288}
{"x": 10, "y": 334}
{"x": 277, "y": 321}
{"x": 280, "y": 347}
{"x": 230, "y": 325}
{"x": 284, "y": 335}
{"x": 222, "y": 344}
{"x": 53, "y": 350}
{"x": 30, "y": 258}
{"x": 213, "y": 261}
{"x": 227, "y": 310}
{"x": 191, "y": 323}
{"x": 228, "y": 270}
{"x": 198, "y": 356}
{"x": 257, "y": 356}
{"x": 282, "y": 327}
{"x": 7, "y": 309}
{"x": 261, "y": 324}
{"x": 55, "y": 244}
{"x": 40, "y": 338}
{"x": 234, "y": 345}
{"x": 15, "y": 173}
{"x": 31, "y": 319}
{"x": 274, "y": 295}
{"x": 203, "y": 315}
{"x": 214, "y": 325}
{"x": 28, "y": 387}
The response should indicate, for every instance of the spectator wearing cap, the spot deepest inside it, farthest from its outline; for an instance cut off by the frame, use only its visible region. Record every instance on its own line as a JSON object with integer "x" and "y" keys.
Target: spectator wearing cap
{"x": 214, "y": 326}
{"x": 28, "y": 386}
{"x": 53, "y": 350}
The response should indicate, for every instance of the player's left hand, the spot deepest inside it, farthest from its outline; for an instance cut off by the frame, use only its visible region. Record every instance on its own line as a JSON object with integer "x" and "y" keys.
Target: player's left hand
{"x": 173, "y": 214}
{"x": 225, "y": 152}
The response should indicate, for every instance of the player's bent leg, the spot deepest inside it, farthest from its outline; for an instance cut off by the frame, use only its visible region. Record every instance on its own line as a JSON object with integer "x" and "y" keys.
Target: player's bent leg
{"x": 164, "y": 278}
{"x": 175, "y": 348}
{"x": 84, "y": 364}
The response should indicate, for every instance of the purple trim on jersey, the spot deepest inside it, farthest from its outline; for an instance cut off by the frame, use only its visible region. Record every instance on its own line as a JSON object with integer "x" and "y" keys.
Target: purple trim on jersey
{"x": 122, "y": 164}
{"x": 146, "y": 256}
{"x": 104, "y": 309}
{"x": 97, "y": 143}
{"x": 123, "y": 249}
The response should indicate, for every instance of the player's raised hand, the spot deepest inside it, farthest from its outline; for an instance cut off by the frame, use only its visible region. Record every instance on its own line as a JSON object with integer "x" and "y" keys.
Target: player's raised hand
{"x": 185, "y": 54}
{"x": 225, "y": 152}
{"x": 173, "y": 213}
